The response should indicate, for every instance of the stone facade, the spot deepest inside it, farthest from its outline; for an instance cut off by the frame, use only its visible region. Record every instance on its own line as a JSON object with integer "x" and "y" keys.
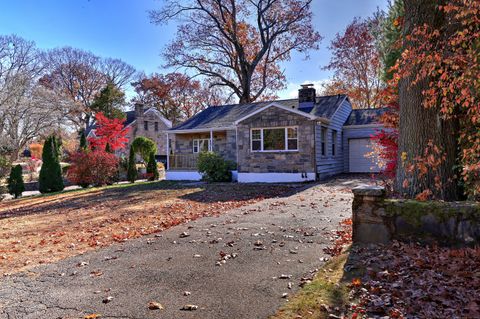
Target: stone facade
{"x": 155, "y": 132}
{"x": 380, "y": 220}
{"x": 224, "y": 143}
{"x": 299, "y": 161}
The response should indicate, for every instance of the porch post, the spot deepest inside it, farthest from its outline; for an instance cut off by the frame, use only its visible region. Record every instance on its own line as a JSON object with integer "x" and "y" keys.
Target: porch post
{"x": 168, "y": 153}
{"x": 211, "y": 140}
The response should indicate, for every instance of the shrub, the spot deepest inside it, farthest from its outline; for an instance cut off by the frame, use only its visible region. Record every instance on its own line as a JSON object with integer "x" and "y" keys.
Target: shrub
{"x": 144, "y": 146}
{"x": 214, "y": 168}
{"x": 95, "y": 168}
{"x": 15, "y": 182}
{"x": 50, "y": 179}
{"x": 152, "y": 168}
{"x": 4, "y": 166}
{"x": 132, "y": 167}
{"x": 36, "y": 150}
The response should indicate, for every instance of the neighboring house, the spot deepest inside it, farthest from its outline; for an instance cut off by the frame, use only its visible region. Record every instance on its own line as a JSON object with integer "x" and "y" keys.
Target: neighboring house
{"x": 293, "y": 140}
{"x": 147, "y": 123}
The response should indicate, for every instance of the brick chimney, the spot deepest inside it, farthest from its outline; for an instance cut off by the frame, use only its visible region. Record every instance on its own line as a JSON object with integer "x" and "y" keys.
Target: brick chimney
{"x": 306, "y": 93}
{"x": 139, "y": 109}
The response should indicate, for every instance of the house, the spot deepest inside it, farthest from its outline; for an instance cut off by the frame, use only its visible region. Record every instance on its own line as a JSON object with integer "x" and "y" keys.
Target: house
{"x": 293, "y": 140}
{"x": 147, "y": 123}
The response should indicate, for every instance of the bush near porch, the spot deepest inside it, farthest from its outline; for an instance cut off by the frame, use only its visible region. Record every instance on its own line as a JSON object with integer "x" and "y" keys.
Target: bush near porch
{"x": 215, "y": 168}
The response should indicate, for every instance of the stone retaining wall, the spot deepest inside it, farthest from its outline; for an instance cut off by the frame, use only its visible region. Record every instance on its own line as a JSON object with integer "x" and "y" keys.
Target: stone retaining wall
{"x": 377, "y": 219}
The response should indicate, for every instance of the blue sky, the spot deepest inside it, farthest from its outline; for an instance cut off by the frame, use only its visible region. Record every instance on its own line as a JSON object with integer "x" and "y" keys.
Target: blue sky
{"x": 121, "y": 29}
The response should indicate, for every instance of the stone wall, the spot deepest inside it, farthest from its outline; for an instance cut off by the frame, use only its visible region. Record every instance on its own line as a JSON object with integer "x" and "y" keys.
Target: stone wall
{"x": 299, "y": 161}
{"x": 223, "y": 143}
{"x": 137, "y": 129}
{"x": 380, "y": 220}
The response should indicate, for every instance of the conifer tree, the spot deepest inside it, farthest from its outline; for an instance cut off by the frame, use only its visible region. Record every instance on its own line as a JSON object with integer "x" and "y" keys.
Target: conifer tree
{"x": 132, "y": 167}
{"x": 83, "y": 142}
{"x": 152, "y": 169}
{"x": 15, "y": 182}
{"x": 108, "y": 148}
{"x": 51, "y": 179}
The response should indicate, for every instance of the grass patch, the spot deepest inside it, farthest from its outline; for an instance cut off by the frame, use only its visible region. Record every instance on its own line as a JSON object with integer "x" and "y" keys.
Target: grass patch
{"x": 93, "y": 189}
{"x": 328, "y": 291}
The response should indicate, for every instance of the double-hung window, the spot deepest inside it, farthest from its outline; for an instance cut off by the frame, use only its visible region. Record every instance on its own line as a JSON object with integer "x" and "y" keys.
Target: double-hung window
{"x": 274, "y": 139}
{"x": 324, "y": 141}
{"x": 156, "y": 126}
{"x": 201, "y": 145}
{"x": 145, "y": 125}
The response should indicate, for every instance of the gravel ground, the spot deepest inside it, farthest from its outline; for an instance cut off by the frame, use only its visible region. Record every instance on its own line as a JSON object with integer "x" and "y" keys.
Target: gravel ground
{"x": 238, "y": 265}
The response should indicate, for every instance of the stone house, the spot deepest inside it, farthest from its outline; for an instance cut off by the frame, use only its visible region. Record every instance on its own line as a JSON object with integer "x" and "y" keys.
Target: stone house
{"x": 293, "y": 140}
{"x": 146, "y": 122}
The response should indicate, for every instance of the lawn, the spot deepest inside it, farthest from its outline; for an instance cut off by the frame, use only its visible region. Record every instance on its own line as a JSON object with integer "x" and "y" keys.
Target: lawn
{"x": 45, "y": 229}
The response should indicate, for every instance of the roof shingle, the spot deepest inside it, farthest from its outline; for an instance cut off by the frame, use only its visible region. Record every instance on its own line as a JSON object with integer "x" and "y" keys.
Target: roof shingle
{"x": 226, "y": 115}
{"x": 365, "y": 116}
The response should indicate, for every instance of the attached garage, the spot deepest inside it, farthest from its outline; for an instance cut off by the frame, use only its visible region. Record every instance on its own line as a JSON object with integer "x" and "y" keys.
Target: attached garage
{"x": 359, "y": 162}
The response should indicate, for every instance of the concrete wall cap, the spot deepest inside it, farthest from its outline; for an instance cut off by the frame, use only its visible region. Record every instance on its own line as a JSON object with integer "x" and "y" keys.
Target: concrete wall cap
{"x": 369, "y": 190}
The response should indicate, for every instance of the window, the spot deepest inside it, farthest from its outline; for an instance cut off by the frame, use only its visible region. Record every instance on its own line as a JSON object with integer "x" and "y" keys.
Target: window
{"x": 156, "y": 126}
{"x": 274, "y": 139}
{"x": 256, "y": 140}
{"x": 201, "y": 145}
{"x": 334, "y": 142}
{"x": 145, "y": 126}
{"x": 324, "y": 141}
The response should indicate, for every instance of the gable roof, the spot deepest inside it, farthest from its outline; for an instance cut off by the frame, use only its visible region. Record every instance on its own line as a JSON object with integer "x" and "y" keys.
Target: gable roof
{"x": 365, "y": 116}
{"x": 130, "y": 118}
{"x": 226, "y": 116}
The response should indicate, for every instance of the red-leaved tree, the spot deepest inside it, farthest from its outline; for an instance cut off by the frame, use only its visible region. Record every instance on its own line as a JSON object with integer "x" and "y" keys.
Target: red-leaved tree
{"x": 177, "y": 96}
{"x": 95, "y": 168}
{"x": 440, "y": 73}
{"x": 111, "y": 131}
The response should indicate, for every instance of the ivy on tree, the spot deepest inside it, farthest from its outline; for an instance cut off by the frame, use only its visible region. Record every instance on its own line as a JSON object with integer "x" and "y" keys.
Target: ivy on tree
{"x": 15, "y": 182}
{"x": 144, "y": 146}
{"x": 51, "y": 179}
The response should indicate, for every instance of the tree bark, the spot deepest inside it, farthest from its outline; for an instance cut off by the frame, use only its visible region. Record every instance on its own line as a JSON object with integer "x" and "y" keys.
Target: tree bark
{"x": 419, "y": 125}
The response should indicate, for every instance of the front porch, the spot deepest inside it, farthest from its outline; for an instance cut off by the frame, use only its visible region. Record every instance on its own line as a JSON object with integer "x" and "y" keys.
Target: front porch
{"x": 184, "y": 150}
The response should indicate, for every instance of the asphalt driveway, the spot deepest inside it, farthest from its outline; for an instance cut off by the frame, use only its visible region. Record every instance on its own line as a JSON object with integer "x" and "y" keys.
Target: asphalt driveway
{"x": 239, "y": 265}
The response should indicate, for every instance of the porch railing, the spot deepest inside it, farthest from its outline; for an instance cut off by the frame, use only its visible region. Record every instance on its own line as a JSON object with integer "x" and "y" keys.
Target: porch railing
{"x": 183, "y": 161}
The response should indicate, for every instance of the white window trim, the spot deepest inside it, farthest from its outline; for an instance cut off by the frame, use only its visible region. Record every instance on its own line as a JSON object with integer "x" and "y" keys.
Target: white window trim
{"x": 286, "y": 150}
{"x": 198, "y": 144}
{"x": 324, "y": 141}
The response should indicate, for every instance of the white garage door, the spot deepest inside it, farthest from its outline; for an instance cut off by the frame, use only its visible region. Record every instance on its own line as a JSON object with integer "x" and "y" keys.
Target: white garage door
{"x": 358, "y": 161}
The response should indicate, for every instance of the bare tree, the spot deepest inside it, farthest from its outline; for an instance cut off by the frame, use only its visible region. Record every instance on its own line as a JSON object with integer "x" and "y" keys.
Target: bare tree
{"x": 81, "y": 76}
{"x": 26, "y": 108}
{"x": 238, "y": 44}
{"x": 117, "y": 72}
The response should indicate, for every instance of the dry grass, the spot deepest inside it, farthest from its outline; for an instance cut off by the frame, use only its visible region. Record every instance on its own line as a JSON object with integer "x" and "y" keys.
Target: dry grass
{"x": 327, "y": 293}
{"x": 45, "y": 229}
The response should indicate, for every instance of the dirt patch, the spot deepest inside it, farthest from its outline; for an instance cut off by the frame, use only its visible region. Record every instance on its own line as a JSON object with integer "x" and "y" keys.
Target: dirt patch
{"x": 46, "y": 229}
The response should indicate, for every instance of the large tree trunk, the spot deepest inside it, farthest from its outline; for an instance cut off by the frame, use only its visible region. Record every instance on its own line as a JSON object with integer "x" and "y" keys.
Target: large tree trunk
{"x": 419, "y": 125}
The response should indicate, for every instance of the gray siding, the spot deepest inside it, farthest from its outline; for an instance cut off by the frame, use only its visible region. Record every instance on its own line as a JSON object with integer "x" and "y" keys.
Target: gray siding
{"x": 329, "y": 164}
{"x": 355, "y": 132}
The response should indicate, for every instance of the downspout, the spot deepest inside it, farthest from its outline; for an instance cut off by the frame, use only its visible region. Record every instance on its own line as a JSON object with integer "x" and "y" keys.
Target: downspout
{"x": 211, "y": 140}
{"x": 168, "y": 153}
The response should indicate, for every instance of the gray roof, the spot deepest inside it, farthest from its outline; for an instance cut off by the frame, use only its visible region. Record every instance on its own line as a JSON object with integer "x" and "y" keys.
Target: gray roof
{"x": 226, "y": 115}
{"x": 130, "y": 116}
{"x": 365, "y": 116}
